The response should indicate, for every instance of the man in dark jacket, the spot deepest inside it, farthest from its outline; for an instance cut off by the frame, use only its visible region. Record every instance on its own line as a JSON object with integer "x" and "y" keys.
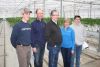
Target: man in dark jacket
{"x": 21, "y": 39}
{"x": 54, "y": 38}
{"x": 38, "y": 38}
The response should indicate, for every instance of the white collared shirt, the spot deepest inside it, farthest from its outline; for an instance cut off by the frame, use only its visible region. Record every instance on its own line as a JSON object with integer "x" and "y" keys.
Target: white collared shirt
{"x": 79, "y": 33}
{"x": 54, "y": 21}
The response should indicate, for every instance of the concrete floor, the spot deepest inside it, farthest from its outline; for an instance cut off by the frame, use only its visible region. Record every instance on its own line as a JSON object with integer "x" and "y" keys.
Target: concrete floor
{"x": 87, "y": 60}
{"x": 95, "y": 63}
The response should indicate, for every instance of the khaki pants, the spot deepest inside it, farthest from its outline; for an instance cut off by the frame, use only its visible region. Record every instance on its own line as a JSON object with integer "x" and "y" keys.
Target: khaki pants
{"x": 24, "y": 55}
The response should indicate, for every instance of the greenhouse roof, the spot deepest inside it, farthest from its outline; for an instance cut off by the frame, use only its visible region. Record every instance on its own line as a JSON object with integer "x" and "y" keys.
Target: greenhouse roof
{"x": 13, "y": 7}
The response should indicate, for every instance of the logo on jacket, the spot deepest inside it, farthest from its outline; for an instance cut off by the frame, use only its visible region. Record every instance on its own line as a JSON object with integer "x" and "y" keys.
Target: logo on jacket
{"x": 23, "y": 29}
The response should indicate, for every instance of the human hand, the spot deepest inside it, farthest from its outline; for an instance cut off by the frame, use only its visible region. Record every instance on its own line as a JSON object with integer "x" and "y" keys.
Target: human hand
{"x": 34, "y": 50}
{"x": 72, "y": 52}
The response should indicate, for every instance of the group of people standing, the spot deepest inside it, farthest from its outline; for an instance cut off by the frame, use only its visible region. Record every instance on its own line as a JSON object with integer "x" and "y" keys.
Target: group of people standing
{"x": 68, "y": 39}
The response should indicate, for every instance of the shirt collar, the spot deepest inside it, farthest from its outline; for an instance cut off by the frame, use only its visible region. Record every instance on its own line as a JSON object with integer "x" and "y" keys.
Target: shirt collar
{"x": 77, "y": 24}
{"x": 65, "y": 28}
{"x": 39, "y": 20}
{"x": 54, "y": 21}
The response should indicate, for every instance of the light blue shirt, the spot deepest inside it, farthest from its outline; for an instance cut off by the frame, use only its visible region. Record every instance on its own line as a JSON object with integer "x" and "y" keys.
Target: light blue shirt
{"x": 68, "y": 37}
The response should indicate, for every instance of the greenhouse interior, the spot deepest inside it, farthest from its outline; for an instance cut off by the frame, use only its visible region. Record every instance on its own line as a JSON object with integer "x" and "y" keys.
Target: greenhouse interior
{"x": 89, "y": 10}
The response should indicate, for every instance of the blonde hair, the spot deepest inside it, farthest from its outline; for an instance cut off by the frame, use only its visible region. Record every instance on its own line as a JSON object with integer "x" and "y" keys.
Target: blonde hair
{"x": 67, "y": 20}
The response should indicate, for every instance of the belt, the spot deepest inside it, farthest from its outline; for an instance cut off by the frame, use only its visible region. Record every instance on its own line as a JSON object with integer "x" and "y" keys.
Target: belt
{"x": 24, "y": 44}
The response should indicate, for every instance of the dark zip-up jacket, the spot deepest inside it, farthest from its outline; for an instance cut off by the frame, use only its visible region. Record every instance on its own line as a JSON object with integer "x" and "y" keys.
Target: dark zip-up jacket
{"x": 53, "y": 34}
{"x": 38, "y": 33}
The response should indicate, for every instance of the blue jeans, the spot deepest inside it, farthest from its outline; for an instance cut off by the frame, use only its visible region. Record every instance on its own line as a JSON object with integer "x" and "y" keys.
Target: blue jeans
{"x": 78, "y": 50}
{"x": 53, "y": 56}
{"x": 38, "y": 56}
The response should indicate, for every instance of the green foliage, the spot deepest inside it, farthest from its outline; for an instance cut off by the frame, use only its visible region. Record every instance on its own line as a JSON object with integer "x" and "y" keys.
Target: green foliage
{"x": 13, "y": 21}
{"x": 87, "y": 21}
{"x": 0, "y": 18}
{"x": 61, "y": 21}
{"x": 90, "y": 21}
{"x": 47, "y": 19}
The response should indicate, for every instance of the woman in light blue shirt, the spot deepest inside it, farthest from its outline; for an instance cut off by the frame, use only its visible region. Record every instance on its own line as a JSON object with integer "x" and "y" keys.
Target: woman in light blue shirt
{"x": 68, "y": 43}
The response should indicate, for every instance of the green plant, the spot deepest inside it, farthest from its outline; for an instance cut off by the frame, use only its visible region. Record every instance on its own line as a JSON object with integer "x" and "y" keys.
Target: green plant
{"x": 87, "y": 21}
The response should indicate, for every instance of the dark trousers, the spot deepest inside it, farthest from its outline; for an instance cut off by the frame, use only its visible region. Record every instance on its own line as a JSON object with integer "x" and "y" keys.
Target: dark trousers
{"x": 38, "y": 56}
{"x": 66, "y": 54}
{"x": 53, "y": 56}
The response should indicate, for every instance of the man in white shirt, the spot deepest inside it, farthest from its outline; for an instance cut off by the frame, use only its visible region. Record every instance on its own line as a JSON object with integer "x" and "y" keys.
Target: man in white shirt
{"x": 79, "y": 38}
